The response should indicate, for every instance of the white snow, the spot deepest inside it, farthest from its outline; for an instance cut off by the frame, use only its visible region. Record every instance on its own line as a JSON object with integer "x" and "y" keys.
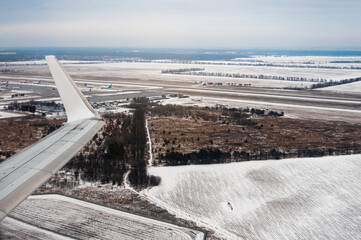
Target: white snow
{"x": 15, "y": 229}
{"x": 134, "y": 71}
{"x": 127, "y": 184}
{"x": 353, "y": 88}
{"x": 150, "y": 160}
{"x": 311, "y": 198}
{"x": 9, "y": 115}
{"x": 43, "y": 62}
{"x": 77, "y": 219}
{"x": 153, "y": 71}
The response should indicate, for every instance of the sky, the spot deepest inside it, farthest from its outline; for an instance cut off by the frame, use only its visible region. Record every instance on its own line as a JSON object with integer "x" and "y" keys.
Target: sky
{"x": 221, "y": 24}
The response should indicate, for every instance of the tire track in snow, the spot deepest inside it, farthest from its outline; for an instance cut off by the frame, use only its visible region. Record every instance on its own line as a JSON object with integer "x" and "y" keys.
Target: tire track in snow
{"x": 150, "y": 160}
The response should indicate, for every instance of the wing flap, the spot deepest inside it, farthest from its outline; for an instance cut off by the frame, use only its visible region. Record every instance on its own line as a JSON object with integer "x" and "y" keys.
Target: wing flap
{"x": 25, "y": 179}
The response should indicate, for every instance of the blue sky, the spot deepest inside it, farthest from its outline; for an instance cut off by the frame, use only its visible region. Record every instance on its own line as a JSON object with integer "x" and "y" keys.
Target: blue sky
{"x": 282, "y": 24}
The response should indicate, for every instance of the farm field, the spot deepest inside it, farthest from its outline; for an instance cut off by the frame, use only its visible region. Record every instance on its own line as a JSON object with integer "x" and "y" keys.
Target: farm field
{"x": 353, "y": 88}
{"x": 311, "y": 198}
{"x": 336, "y": 61}
{"x": 151, "y": 71}
{"x": 43, "y": 216}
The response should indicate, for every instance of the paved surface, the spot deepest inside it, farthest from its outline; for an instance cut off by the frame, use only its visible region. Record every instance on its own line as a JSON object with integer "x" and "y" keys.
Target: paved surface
{"x": 308, "y": 104}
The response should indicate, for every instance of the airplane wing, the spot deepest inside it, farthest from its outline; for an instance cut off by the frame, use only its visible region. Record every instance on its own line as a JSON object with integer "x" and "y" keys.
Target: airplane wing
{"x": 27, "y": 170}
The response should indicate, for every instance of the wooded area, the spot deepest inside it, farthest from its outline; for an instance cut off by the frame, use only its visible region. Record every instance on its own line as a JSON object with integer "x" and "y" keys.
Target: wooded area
{"x": 119, "y": 147}
{"x": 191, "y": 135}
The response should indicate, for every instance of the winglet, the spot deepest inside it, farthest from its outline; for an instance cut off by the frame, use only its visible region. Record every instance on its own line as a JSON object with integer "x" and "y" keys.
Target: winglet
{"x": 76, "y": 105}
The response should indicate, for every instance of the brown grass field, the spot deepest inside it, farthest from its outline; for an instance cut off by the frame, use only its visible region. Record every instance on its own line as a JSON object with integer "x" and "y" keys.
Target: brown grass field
{"x": 18, "y": 133}
{"x": 187, "y": 135}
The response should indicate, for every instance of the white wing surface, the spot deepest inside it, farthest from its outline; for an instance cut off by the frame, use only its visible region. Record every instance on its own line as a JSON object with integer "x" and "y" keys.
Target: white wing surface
{"x": 27, "y": 170}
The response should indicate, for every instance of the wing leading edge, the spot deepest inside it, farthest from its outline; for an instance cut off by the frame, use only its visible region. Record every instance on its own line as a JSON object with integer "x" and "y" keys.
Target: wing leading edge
{"x": 27, "y": 170}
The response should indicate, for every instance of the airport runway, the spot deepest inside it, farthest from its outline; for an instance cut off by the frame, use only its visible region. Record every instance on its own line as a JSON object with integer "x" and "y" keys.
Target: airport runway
{"x": 308, "y": 104}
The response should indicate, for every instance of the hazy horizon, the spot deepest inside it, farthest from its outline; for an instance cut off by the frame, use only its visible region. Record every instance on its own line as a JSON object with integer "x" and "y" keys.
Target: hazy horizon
{"x": 141, "y": 48}
{"x": 8, "y": 54}
{"x": 230, "y": 24}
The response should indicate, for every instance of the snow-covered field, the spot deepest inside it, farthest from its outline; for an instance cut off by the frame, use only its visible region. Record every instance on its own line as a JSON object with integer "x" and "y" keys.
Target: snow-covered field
{"x": 146, "y": 71}
{"x": 354, "y": 88}
{"x": 342, "y": 61}
{"x": 311, "y": 198}
{"x": 59, "y": 217}
{"x": 42, "y": 62}
{"x": 16, "y": 229}
{"x": 152, "y": 70}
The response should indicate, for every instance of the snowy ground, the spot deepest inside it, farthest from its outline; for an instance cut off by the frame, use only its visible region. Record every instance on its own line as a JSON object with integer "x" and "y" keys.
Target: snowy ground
{"x": 305, "y": 60}
{"x": 16, "y": 229}
{"x": 146, "y": 71}
{"x": 152, "y": 70}
{"x": 10, "y": 115}
{"x": 353, "y": 88}
{"x": 42, "y": 62}
{"x": 59, "y": 217}
{"x": 312, "y": 198}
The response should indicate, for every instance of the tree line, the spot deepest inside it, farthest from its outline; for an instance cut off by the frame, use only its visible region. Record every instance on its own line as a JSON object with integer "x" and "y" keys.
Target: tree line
{"x": 175, "y": 71}
{"x": 215, "y": 155}
{"x": 197, "y": 72}
{"x": 335, "y": 83}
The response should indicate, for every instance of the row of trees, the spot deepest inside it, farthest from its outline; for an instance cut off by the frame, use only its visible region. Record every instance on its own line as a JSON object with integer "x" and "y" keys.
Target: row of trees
{"x": 210, "y": 156}
{"x": 269, "y": 113}
{"x": 239, "y": 75}
{"x": 251, "y": 62}
{"x": 175, "y": 71}
{"x": 138, "y": 144}
{"x": 203, "y": 156}
{"x": 334, "y": 83}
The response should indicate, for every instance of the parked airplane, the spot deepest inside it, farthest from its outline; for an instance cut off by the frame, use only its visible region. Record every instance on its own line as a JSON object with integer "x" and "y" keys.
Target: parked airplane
{"x": 109, "y": 87}
{"x": 27, "y": 170}
{"x": 92, "y": 87}
{"x": 86, "y": 85}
